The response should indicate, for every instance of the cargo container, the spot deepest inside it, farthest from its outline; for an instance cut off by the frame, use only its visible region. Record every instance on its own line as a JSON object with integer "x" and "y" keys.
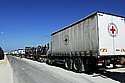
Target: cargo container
{"x": 21, "y": 51}
{"x": 96, "y": 40}
{"x": 14, "y": 52}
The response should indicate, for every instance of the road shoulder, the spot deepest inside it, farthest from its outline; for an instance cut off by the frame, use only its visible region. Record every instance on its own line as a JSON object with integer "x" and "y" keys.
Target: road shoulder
{"x": 6, "y": 73}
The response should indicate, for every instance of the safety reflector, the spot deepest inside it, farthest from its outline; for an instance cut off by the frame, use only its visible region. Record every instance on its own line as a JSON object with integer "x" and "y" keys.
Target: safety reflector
{"x": 103, "y": 50}
{"x": 122, "y": 50}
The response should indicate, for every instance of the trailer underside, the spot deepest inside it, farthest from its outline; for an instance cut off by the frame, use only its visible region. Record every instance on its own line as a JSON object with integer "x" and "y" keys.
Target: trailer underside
{"x": 85, "y": 63}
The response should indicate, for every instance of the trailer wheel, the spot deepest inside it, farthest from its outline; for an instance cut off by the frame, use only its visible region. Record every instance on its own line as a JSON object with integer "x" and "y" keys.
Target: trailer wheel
{"x": 68, "y": 64}
{"x": 114, "y": 64}
{"x": 86, "y": 67}
{"x": 38, "y": 59}
{"x": 49, "y": 61}
{"x": 90, "y": 65}
{"x": 78, "y": 65}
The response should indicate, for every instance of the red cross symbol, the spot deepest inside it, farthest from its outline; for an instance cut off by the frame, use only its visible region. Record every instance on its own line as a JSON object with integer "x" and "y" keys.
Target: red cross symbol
{"x": 113, "y": 30}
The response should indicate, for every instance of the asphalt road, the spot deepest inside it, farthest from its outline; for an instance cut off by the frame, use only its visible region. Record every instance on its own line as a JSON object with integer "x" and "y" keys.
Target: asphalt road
{"x": 117, "y": 74}
{"x": 27, "y": 71}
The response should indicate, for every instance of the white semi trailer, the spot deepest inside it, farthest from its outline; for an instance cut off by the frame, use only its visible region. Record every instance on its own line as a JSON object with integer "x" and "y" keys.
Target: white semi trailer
{"x": 96, "y": 40}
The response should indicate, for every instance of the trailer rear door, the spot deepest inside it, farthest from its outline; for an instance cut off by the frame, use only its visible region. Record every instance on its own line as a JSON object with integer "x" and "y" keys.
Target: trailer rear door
{"x": 111, "y": 30}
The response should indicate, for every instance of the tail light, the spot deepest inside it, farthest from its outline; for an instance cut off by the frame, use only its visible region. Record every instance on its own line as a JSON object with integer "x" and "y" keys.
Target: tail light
{"x": 101, "y": 61}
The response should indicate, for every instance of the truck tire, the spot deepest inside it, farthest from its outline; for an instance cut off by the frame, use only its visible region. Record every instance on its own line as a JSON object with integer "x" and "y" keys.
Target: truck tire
{"x": 49, "y": 61}
{"x": 114, "y": 64}
{"x": 68, "y": 64}
{"x": 86, "y": 67}
{"x": 90, "y": 65}
{"x": 78, "y": 65}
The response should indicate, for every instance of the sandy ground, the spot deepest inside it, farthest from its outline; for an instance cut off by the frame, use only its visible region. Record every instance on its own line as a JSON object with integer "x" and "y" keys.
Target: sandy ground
{"x": 6, "y": 73}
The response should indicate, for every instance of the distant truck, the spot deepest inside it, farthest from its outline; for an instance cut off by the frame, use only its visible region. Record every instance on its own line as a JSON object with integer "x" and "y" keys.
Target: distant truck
{"x": 97, "y": 40}
{"x": 38, "y": 53}
{"x": 18, "y": 53}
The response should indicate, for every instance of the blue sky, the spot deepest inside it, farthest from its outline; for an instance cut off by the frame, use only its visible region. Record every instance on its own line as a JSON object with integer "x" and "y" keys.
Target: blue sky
{"x": 31, "y": 22}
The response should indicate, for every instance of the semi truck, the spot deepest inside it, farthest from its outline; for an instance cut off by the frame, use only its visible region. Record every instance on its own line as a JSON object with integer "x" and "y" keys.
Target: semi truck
{"x": 38, "y": 53}
{"x": 92, "y": 42}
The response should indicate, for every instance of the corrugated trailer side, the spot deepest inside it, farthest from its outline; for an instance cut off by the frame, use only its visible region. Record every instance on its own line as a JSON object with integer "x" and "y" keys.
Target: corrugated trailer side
{"x": 80, "y": 37}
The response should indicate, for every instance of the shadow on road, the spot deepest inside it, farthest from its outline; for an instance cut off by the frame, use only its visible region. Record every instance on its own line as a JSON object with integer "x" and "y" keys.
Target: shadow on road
{"x": 118, "y": 76}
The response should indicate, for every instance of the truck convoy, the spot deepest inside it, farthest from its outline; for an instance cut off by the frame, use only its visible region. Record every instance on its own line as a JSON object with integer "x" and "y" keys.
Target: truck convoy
{"x": 93, "y": 42}
{"x": 38, "y": 53}
{"x": 97, "y": 40}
